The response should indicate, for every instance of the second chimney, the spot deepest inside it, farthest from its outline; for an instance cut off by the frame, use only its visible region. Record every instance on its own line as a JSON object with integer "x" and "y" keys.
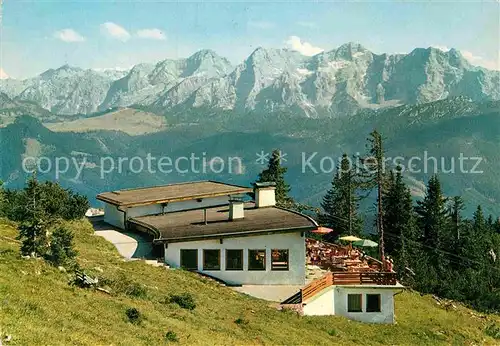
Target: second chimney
{"x": 265, "y": 194}
{"x": 236, "y": 209}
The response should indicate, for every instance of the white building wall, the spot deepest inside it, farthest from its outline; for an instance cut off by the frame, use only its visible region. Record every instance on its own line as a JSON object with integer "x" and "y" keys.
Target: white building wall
{"x": 294, "y": 242}
{"x": 116, "y": 218}
{"x": 113, "y": 216}
{"x": 321, "y": 304}
{"x": 193, "y": 204}
{"x": 386, "y": 314}
{"x": 144, "y": 210}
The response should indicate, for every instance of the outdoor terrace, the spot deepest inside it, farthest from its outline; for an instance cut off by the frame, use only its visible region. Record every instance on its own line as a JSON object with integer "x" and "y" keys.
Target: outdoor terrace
{"x": 340, "y": 259}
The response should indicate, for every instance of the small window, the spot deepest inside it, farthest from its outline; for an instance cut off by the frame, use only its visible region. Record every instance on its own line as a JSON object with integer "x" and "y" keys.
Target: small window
{"x": 211, "y": 259}
{"x": 256, "y": 259}
{"x": 189, "y": 259}
{"x": 354, "y": 303}
{"x": 279, "y": 260}
{"x": 373, "y": 303}
{"x": 234, "y": 259}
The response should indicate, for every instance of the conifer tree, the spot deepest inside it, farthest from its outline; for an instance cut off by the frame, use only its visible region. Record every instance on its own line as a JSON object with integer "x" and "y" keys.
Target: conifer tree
{"x": 275, "y": 173}
{"x": 432, "y": 219}
{"x": 33, "y": 229}
{"x": 61, "y": 247}
{"x": 33, "y": 236}
{"x": 399, "y": 220}
{"x": 455, "y": 239}
{"x": 340, "y": 204}
{"x": 373, "y": 170}
{"x": 455, "y": 211}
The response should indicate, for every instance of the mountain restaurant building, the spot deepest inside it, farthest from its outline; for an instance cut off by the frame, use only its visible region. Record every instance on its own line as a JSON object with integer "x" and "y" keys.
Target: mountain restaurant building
{"x": 208, "y": 227}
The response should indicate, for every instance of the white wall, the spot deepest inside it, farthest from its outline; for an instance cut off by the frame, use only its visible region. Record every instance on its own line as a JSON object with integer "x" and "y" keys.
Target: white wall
{"x": 193, "y": 204}
{"x": 386, "y": 314}
{"x": 113, "y": 216}
{"x": 144, "y": 210}
{"x": 320, "y": 304}
{"x": 294, "y": 242}
{"x": 333, "y": 301}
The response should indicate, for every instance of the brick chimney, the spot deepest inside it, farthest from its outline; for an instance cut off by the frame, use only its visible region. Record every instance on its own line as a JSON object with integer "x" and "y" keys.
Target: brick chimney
{"x": 265, "y": 194}
{"x": 236, "y": 209}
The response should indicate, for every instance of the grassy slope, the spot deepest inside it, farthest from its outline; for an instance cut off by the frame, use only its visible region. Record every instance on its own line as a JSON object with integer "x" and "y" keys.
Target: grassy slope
{"x": 128, "y": 120}
{"x": 38, "y": 307}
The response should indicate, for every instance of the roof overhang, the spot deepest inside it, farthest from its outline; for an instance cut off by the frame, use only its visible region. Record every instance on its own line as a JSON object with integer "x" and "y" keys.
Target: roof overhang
{"x": 169, "y": 200}
{"x": 236, "y": 191}
{"x": 227, "y": 235}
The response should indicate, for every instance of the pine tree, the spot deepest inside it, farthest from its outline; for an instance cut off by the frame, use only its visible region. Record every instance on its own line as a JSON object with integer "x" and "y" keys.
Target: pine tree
{"x": 455, "y": 211}
{"x": 454, "y": 242}
{"x": 373, "y": 170}
{"x": 340, "y": 204}
{"x": 61, "y": 247}
{"x": 275, "y": 173}
{"x": 33, "y": 236}
{"x": 399, "y": 220}
{"x": 496, "y": 225}
{"x": 33, "y": 229}
{"x": 477, "y": 240}
{"x": 432, "y": 220}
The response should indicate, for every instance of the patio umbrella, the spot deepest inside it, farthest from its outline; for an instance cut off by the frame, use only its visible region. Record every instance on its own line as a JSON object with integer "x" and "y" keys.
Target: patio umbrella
{"x": 365, "y": 243}
{"x": 350, "y": 238}
{"x": 322, "y": 230}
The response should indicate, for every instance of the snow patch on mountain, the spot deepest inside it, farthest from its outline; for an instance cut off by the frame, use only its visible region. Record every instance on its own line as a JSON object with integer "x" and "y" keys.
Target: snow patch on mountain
{"x": 336, "y": 82}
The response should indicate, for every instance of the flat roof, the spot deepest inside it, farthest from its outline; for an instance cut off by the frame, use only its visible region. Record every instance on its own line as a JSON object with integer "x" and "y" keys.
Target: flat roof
{"x": 171, "y": 193}
{"x": 189, "y": 225}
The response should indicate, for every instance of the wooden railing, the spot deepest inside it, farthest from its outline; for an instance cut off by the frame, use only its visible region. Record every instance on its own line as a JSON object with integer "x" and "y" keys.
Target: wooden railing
{"x": 317, "y": 285}
{"x": 365, "y": 278}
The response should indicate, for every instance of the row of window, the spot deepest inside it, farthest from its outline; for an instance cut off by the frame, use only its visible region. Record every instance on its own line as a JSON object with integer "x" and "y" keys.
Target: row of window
{"x": 355, "y": 303}
{"x": 234, "y": 259}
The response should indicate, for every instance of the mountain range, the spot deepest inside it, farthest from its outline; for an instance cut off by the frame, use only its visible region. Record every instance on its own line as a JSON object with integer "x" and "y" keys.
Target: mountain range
{"x": 333, "y": 83}
{"x": 427, "y": 101}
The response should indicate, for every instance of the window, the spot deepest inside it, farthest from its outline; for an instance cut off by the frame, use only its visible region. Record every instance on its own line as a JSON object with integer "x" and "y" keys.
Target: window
{"x": 373, "y": 303}
{"x": 279, "y": 260}
{"x": 354, "y": 303}
{"x": 211, "y": 259}
{"x": 189, "y": 259}
{"x": 234, "y": 259}
{"x": 256, "y": 259}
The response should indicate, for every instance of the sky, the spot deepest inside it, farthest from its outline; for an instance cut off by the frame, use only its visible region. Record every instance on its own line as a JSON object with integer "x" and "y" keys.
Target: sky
{"x": 40, "y": 34}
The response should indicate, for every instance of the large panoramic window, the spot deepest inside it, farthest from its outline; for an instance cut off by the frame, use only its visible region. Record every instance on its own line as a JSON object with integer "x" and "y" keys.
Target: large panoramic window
{"x": 354, "y": 303}
{"x": 234, "y": 259}
{"x": 279, "y": 259}
{"x": 256, "y": 259}
{"x": 211, "y": 259}
{"x": 189, "y": 259}
{"x": 373, "y": 303}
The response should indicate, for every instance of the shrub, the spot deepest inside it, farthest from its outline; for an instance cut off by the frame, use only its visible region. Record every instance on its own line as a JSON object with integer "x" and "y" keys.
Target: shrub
{"x": 184, "y": 300}
{"x": 76, "y": 207}
{"x": 136, "y": 289}
{"x": 124, "y": 285}
{"x": 134, "y": 316}
{"x": 332, "y": 332}
{"x": 493, "y": 330}
{"x": 240, "y": 321}
{"x": 61, "y": 247}
{"x": 170, "y": 336}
